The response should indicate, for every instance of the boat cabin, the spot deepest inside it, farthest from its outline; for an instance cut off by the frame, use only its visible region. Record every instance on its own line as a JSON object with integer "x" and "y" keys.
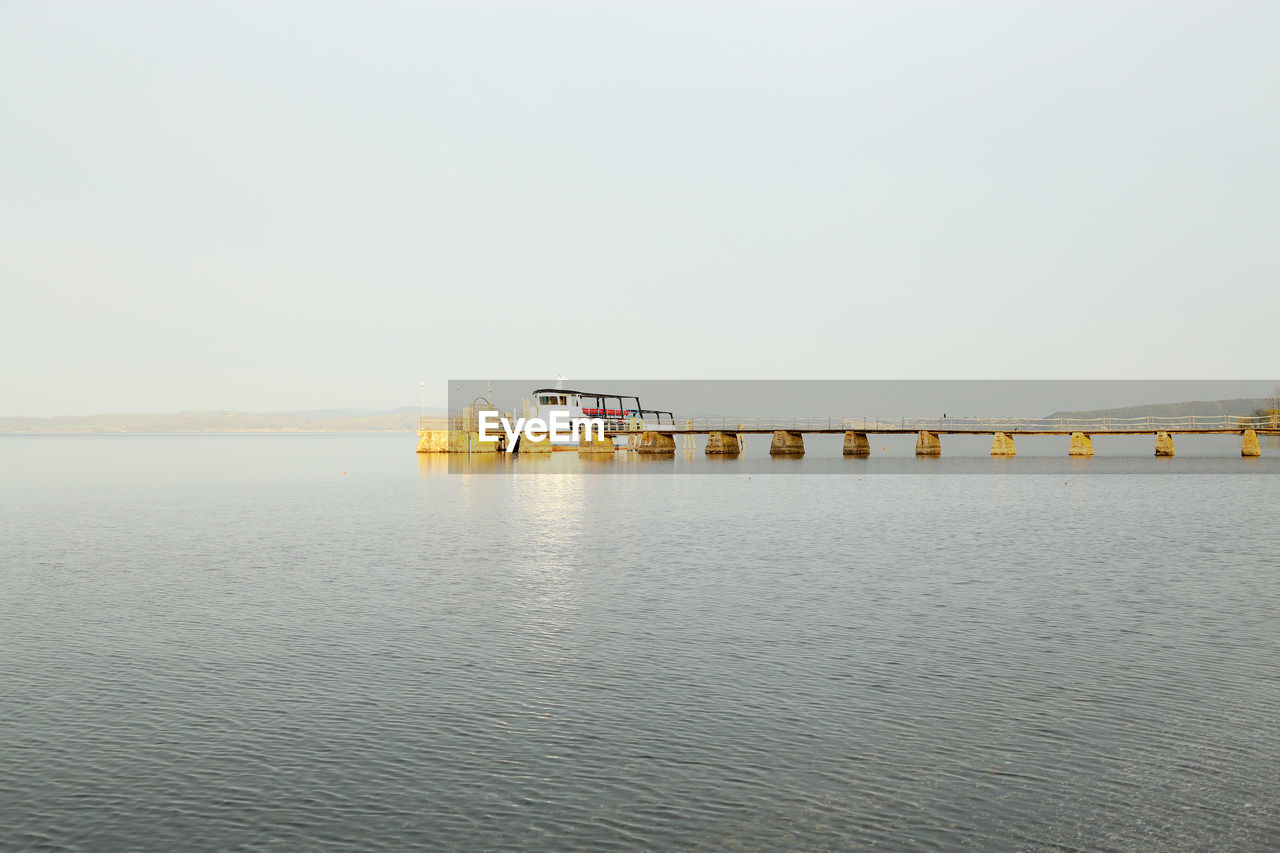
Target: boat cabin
{"x": 619, "y": 411}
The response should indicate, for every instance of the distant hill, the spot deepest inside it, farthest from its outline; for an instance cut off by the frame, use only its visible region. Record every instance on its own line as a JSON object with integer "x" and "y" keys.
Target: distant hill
{"x": 405, "y": 419}
{"x": 313, "y": 420}
{"x": 1241, "y": 406}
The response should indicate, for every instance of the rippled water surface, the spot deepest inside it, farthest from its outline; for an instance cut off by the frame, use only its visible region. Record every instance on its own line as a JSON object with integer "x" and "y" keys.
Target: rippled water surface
{"x": 288, "y": 642}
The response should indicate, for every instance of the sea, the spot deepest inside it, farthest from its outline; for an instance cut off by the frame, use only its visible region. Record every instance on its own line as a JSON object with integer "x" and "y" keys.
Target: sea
{"x": 305, "y": 642}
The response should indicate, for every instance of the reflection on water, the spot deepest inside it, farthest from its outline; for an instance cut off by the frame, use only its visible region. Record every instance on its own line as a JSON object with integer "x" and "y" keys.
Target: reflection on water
{"x": 543, "y": 566}
{"x": 1213, "y": 454}
{"x": 332, "y": 641}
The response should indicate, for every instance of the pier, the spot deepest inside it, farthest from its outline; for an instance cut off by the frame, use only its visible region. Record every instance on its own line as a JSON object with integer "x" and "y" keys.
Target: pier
{"x": 788, "y": 433}
{"x": 725, "y": 434}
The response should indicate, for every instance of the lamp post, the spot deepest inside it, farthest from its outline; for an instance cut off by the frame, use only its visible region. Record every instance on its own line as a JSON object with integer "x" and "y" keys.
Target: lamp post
{"x": 422, "y": 401}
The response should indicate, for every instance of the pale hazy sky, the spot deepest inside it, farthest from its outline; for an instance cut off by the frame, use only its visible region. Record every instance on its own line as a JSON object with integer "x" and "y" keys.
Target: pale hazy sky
{"x": 292, "y": 205}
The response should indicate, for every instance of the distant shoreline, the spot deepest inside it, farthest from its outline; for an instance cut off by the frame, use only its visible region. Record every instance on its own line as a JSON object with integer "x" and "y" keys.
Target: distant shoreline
{"x": 404, "y": 420}
{"x": 314, "y": 421}
{"x": 65, "y": 433}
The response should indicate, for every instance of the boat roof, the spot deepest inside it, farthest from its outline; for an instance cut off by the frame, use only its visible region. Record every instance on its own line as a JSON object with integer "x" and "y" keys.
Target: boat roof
{"x": 581, "y": 393}
{"x": 639, "y": 405}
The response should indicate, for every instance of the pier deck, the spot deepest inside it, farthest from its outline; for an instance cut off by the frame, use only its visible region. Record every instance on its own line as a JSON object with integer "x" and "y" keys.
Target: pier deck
{"x": 1225, "y": 424}
{"x": 458, "y": 435}
{"x": 936, "y": 431}
{"x": 724, "y": 434}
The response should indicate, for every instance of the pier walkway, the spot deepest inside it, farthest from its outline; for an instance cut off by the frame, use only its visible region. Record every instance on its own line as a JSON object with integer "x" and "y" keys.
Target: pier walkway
{"x": 723, "y": 434}
{"x": 968, "y": 426}
{"x": 457, "y": 435}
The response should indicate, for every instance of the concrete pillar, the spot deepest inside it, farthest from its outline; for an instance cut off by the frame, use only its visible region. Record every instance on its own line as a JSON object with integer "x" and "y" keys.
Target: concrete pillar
{"x": 1249, "y": 444}
{"x": 719, "y": 442}
{"x": 454, "y": 441}
{"x": 433, "y": 441}
{"x": 856, "y": 444}
{"x": 656, "y": 442}
{"x": 590, "y": 442}
{"x": 787, "y": 444}
{"x": 1081, "y": 445}
{"x": 1164, "y": 444}
{"x": 1002, "y": 445}
{"x": 927, "y": 444}
{"x": 468, "y": 441}
{"x": 527, "y": 446}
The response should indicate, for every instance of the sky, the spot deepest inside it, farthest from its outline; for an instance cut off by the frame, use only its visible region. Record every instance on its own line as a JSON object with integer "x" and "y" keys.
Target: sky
{"x": 272, "y": 206}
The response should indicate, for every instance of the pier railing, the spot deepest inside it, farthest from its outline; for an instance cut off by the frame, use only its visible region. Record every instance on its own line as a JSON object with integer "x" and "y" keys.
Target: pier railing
{"x": 466, "y": 423}
{"x": 1193, "y": 423}
{"x": 1188, "y": 423}
{"x": 441, "y": 422}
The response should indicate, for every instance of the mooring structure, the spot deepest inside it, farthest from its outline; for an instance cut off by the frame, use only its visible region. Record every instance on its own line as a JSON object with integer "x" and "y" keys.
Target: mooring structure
{"x": 725, "y": 436}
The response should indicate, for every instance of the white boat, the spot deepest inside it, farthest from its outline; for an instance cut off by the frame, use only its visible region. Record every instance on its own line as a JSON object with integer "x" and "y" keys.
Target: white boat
{"x": 620, "y": 412}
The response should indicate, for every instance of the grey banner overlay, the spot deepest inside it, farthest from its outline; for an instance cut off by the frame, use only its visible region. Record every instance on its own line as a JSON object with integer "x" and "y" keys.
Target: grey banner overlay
{"x": 1206, "y": 420}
